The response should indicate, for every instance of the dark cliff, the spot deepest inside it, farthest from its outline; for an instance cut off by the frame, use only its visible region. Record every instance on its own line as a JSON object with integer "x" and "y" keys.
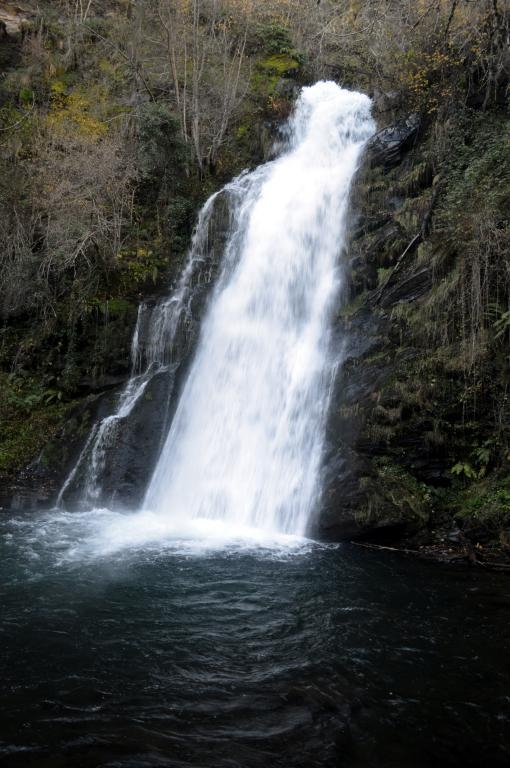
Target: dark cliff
{"x": 418, "y": 437}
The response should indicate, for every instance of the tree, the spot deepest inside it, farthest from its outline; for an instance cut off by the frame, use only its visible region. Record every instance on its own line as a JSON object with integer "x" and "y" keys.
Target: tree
{"x": 204, "y": 53}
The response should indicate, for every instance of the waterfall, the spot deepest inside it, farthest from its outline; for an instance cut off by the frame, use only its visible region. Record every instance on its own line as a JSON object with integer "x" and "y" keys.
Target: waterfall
{"x": 244, "y": 446}
{"x": 152, "y": 352}
{"x": 243, "y": 449}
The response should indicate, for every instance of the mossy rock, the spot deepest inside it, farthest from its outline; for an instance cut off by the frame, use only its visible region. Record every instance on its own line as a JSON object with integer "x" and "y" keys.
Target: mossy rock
{"x": 115, "y": 306}
{"x": 394, "y": 496}
{"x": 268, "y": 75}
{"x": 281, "y": 64}
{"x": 483, "y": 504}
{"x": 30, "y": 416}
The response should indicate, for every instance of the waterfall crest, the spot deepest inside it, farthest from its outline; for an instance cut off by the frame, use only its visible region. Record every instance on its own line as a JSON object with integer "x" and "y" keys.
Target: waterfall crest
{"x": 245, "y": 443}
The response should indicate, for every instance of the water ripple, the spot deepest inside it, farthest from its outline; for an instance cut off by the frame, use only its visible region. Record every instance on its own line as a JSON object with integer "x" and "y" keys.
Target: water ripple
{"x": 239, "y": 658}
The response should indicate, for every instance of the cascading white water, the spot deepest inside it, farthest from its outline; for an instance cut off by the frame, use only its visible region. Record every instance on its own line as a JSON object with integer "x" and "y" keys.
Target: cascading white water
{"x": 146, "y": 361}
{"x": 245, "y": 443}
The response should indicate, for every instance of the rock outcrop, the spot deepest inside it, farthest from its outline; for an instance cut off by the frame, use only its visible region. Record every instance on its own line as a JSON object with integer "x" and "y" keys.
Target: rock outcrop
{"x": 383, "y": 275}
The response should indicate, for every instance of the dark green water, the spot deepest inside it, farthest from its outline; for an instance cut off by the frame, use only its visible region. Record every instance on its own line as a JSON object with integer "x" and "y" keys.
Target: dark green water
{"x": 237, "y": 657}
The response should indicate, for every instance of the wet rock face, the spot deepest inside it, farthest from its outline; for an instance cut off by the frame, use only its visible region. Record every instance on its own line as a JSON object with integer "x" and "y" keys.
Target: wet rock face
{"x": 345, "y": 465}
{"x": 131, "y": 448}
{"x": 387, "y": 103}
{"x": 408, "y": 289}
{"x": 38, "y": 484}
{"x": 358, "y": 484}
{"x": 388, "y": 146}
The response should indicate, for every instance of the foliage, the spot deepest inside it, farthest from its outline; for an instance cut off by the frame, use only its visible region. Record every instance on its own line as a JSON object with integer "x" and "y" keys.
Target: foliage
{"x": 431, "y": 77}
{"x": 485, "y": 503}
{"x": 474, "y": 212}
{"x": 140, "y": 266}
{"x": 395, "y": 496}
{"x": 73, "y": 111}
{"x": 29, "y": 417}
{"x": 274, "y": 39}
{"x": 160, "y": 152}
{"x": 465, "y": 470}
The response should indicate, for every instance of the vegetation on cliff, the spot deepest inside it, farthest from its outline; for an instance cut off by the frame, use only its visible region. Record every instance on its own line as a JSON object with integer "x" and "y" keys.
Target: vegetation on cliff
{"x": 430, "y": 263}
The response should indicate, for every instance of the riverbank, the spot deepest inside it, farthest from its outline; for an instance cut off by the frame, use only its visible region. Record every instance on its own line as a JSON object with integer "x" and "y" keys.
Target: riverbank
{"x": 450, "y": 548}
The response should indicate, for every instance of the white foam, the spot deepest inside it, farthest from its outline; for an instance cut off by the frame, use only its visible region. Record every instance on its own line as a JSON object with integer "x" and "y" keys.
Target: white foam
{"x": 104, "y": 534}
